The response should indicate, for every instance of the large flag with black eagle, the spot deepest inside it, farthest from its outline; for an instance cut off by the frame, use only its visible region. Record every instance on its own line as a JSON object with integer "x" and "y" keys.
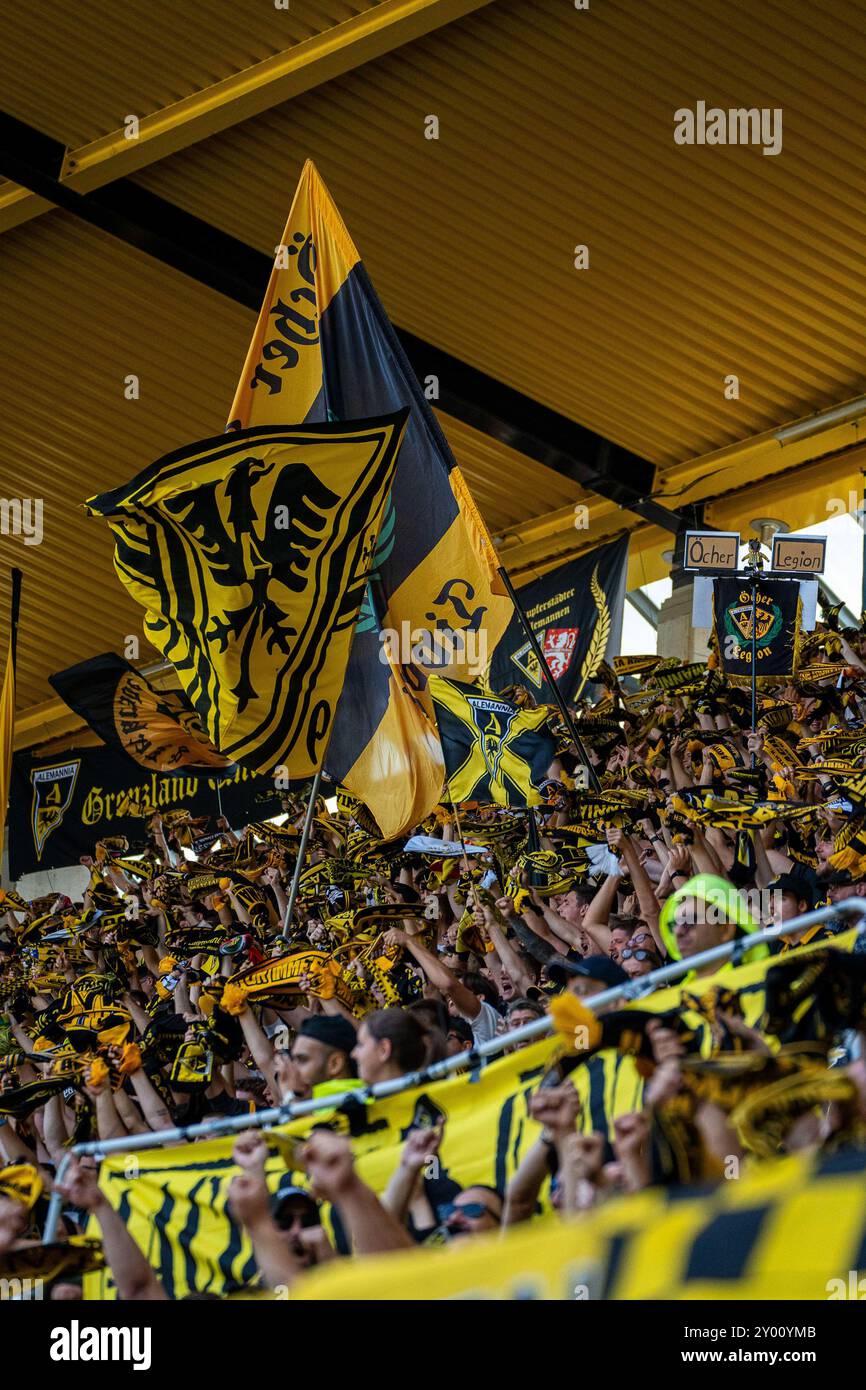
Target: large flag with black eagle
{"x": 324, "y": 349}
{"x": 494, "y": 752}
{"x": 250, "y": 553}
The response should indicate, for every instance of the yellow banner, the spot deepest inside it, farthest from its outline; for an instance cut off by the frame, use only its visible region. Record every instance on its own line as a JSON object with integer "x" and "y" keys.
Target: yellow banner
{"x": 790, "y": 1229}
{"x": 174, "y": 1200}
{"x": 747, "y": 980}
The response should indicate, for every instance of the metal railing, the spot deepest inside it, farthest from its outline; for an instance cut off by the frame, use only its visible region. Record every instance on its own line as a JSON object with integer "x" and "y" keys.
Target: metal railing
{"x": 854, "y": 908}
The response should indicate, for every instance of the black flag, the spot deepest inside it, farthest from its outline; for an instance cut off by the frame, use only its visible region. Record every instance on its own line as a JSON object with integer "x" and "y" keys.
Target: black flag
{"x": 157, "y": 729}
{"x": 576, "y": 613}
{"x": 774, "y": 633}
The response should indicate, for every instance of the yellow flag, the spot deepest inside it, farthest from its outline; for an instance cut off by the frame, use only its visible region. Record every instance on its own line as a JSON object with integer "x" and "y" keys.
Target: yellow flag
{"x": 791, "y": 1228}
{"x": 250, "y": 554}
{"x": 324, "y": 349}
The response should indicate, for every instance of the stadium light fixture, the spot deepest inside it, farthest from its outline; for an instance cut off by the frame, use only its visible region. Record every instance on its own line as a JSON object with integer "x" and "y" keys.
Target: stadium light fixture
{"x": 822, "y": 420}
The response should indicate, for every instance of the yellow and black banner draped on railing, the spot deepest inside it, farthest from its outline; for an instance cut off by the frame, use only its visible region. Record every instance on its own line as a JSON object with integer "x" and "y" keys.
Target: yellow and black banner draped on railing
{"x": 324, "y": 349}
{"x": 494, "y": 752}
{"x": 174, "y": 1200}
{"x": 748, "y": 982}
{"x": 250, "y": 554}
{"x": 609, "y": 1082}
{"x": 793, "y": 1228}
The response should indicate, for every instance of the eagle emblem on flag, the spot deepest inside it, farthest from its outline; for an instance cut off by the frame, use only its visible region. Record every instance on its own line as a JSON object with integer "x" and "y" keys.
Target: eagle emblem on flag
{"x": 250, "y": 554}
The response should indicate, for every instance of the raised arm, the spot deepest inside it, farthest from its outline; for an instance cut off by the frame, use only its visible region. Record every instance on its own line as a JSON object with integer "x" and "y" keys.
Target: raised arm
{"x": 521, "y": 1194}
{"x": 153, "y": 1107}
{"x": 538, "y": 947}
{"x": 420, "y": 1146}
{"x": 546, "y": 922}
{"x": 467, "y": 1004}
{"x": 373, "y": 1230}
{"x": 647, "y": 901}
{"x": 510, "y": 958}
{"x": 595, "y": 922}
{"x": 109, "y": 1125}
{"x": 132, "y": 1274}
{"x": 249, "y": 1203}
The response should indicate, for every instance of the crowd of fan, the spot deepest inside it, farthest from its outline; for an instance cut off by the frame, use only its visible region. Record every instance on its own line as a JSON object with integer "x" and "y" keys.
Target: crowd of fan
{"x": 149, "y": 1004}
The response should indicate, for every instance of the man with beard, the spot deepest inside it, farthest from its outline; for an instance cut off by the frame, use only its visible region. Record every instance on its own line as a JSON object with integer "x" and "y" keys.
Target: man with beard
{"x": 320, "y": 1062}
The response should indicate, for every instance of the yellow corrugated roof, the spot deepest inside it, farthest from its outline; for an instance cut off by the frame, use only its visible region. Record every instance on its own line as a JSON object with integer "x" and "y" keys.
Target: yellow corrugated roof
{"x": 556, "y": 128}
{"x": 75, "y": 71}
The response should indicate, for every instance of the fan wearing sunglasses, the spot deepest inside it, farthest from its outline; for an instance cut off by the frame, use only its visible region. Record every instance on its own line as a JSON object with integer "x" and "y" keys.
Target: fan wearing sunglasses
{"x": 640, "y": 956}
{"x": 294, "y": 1211}
{"x": 474, "y": 1211}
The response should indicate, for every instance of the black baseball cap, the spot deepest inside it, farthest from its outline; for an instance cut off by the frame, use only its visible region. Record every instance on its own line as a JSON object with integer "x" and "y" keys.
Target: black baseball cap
{"x": 331, "y": 1029}
{"x": 803, "y": 886}
{"x": 839, "y": 878}
{"x": 284, "y": 1195}
{"x": 600, "y": 968}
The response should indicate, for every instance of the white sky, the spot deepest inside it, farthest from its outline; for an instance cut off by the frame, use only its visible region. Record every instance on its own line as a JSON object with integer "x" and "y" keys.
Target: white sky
{"x": 843, "y": 573}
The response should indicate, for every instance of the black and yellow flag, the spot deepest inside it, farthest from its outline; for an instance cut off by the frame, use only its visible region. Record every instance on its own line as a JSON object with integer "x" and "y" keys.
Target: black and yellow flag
{"x": 576, "y": 614}
{"x": 157, "y": 729}
{"x": 770, "y": 624}
{"x": 250, "y": 553}
{"x": 493, "y": 750}
{"x": 324, "y": 349}
{"x": 791, "y": 1228}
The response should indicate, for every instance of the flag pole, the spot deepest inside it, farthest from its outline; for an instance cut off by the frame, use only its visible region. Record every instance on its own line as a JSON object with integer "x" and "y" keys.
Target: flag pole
{"x": 533, "y": 843}
{"x": 557, "y": 693}
{"x": 302, "y": 850}
{"x": 7, "y": 706}
{"x": 754, "y": 564}
{"x": 15, "y": 609}
{"x": 453, "y": 805}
